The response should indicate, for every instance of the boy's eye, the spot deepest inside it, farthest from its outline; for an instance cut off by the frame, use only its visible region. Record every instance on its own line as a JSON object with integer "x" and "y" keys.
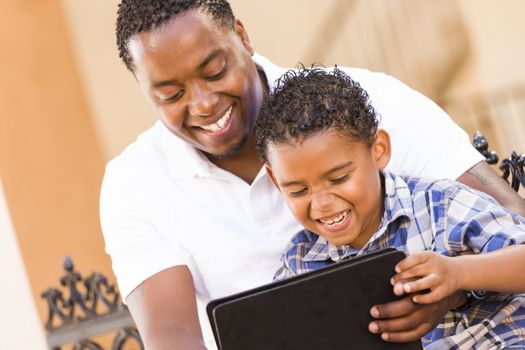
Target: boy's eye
{"x": 340, "y": 179}
{"x": 298, "y": 193}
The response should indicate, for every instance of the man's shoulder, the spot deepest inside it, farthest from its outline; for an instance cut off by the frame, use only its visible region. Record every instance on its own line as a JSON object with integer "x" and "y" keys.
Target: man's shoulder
{"x": 443, "y": 189}
{"x": 146, "y": 157}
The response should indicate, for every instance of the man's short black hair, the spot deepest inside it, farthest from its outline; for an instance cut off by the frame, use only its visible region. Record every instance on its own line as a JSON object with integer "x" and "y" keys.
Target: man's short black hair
{"x": 312, "y": 100}
{"x": 135, "y": 16}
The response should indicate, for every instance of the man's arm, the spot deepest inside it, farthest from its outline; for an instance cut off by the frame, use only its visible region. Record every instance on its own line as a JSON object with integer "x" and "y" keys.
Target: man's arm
{"x": 483, "y": 178}
{"x": 165, "y": 311}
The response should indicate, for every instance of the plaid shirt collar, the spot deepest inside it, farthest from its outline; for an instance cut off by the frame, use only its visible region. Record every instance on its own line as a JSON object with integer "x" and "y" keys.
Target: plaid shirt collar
{"x": 398, "y": 204}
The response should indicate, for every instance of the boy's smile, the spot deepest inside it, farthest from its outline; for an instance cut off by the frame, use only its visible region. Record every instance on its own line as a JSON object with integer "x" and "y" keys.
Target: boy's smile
{"x": 332, "y": 184}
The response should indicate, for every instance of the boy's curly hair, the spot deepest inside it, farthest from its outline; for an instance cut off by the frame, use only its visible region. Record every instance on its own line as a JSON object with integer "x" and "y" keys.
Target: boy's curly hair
{"x": 135, "y": 16}
{"x": 311, "y": 100}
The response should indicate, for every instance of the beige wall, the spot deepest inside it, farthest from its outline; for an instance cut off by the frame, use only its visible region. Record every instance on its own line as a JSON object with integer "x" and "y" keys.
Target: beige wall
{"x": 295, "y": 31}
{"x": 120, "y": 112}
{"x": 50, "y": 157}
{"x": 19, "y": 323}
{"x": 496, "y": 31}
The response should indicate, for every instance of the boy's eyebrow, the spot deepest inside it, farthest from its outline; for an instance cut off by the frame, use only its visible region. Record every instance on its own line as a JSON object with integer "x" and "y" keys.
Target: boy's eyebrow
{"x": 201, "y": 65}
{"x": 290, "y": 183}
{"x": 338, "y": 167}
{"x": 333, "y": 170}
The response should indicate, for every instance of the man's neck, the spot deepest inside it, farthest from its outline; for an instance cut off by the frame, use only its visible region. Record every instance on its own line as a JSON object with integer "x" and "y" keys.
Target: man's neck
{"x": 245, "y": 164}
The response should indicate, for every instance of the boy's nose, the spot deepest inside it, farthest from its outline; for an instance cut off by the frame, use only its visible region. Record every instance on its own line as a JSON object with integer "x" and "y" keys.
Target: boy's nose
{"x": 322, "y": 201}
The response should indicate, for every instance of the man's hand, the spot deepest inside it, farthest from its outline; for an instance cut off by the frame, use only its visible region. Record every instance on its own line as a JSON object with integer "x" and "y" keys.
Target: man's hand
{"x": 404, "y": 321}
{"x": 429, "y": 274}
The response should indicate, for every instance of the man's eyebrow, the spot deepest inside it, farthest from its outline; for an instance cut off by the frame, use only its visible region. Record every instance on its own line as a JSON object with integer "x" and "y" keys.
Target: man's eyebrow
{"x": 201, "y": 65}
{"x": 210, "y": 58}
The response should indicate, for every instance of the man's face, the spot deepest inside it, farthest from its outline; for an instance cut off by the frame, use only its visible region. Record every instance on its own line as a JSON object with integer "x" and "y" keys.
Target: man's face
{"x": 200, "y": 81}
{"x": 332, "y": 184}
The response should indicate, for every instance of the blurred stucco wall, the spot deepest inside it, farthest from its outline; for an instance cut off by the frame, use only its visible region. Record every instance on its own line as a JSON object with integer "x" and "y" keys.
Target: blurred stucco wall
{"x": 457, "y": 48}
{"x": 68, "y": 105}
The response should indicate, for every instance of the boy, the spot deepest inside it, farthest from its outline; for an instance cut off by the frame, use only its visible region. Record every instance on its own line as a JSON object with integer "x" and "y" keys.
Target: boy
{"x": 319, "y": 137}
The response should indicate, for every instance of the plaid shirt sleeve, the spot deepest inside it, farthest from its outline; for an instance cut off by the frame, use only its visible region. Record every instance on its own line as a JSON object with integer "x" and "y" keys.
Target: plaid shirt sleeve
{"x": 292, "y": 260}
{"x": 477, "y": 223}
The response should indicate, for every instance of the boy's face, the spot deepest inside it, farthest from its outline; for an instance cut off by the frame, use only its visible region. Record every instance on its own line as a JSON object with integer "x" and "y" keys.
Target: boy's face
{"x": 200, "y": 80}
{"x": 332, "y": 184}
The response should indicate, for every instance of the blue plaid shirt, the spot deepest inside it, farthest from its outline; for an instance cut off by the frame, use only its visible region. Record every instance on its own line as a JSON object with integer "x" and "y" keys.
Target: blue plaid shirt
{"x": 448, "y": 218}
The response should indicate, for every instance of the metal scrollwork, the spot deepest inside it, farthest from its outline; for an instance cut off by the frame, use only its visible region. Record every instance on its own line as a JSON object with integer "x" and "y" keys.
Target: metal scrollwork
{"x": 480, "y": 143}
{"x": 87, "y": 307}
{"x": 513, "y": 166}
{"x": 124, "y": 336}
{"x": 86, "y": 345}
{"x": 58, "y": 307}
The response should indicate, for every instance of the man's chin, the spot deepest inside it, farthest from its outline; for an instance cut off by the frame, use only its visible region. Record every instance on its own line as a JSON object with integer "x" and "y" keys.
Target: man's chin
{"x": 233, "y": 151}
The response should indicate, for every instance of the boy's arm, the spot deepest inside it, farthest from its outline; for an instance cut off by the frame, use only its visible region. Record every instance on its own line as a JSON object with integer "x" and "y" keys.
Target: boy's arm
{"x": 165, "y": 311}
{"x": 483, "y": 178}
{"x": 497, "y": 271}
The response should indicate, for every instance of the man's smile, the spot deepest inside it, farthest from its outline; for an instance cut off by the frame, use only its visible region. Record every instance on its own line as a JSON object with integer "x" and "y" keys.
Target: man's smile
{"x": 220, "y": 124}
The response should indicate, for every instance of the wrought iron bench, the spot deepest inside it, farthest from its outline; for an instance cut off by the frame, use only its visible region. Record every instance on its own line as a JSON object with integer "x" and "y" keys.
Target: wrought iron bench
{"x": 512, "y": 166}
{"x": 87, "y": 308}
{"x": 91, "y": 306}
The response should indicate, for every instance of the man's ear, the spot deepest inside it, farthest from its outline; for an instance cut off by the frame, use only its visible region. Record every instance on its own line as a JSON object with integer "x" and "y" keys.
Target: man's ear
{"x": 243, "y": 35}
{"x": 381, "y": 150}
{"x": 270, "y": 174}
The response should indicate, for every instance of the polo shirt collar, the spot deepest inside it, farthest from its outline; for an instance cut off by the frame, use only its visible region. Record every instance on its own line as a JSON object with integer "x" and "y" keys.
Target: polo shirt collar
{"x": 397, "y": 203}
{"x": 272, "y": 71}
{"x": 183, "y": 160}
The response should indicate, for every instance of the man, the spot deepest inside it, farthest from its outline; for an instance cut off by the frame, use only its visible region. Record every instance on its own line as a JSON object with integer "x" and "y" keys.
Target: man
{"x": 187, "y": 210}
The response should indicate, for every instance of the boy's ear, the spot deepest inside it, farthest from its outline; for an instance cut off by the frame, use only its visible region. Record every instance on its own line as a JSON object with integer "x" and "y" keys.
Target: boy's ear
{"x": 381, "y": 149}
{"x": 270, "y": 174}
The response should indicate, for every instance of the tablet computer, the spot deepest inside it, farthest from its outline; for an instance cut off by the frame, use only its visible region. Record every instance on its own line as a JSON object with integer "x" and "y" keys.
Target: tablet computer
{"x": 327, "y": 308}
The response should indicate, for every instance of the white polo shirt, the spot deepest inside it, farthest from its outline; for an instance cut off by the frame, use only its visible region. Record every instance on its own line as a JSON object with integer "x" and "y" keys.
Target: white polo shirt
{"x": 164, "y": 204}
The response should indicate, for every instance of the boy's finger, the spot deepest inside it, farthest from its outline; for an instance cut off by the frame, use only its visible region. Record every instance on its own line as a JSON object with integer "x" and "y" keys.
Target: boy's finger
{"x": 411, "y": 261}
{"x": 410, "y": 274}
{"x": 425, "y": 283}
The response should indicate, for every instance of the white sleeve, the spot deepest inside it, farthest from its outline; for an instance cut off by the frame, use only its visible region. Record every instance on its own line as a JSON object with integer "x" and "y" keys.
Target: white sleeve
{"x": 137, "y": 249}
{"x": 425, "y": 141}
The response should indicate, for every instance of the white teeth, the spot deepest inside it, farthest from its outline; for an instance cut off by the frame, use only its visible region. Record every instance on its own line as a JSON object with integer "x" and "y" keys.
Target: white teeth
{"x": 334, "y": 220}
{"x": 217, "y": 126}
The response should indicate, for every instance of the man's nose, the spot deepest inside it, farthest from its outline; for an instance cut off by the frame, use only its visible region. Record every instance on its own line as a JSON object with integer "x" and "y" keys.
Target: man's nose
{"x": 202, "y": 103}
{"x": 322, "y": 201}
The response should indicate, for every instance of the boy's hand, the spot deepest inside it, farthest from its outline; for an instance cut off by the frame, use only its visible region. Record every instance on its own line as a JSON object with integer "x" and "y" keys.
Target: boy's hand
{"x": 431, "y": 275}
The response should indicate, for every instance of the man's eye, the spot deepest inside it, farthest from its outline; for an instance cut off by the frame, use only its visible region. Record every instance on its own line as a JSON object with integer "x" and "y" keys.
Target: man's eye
{"x": 218, "y": 75}
{"x": 298, "y": 192}
{"x": 340, "y": 179}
